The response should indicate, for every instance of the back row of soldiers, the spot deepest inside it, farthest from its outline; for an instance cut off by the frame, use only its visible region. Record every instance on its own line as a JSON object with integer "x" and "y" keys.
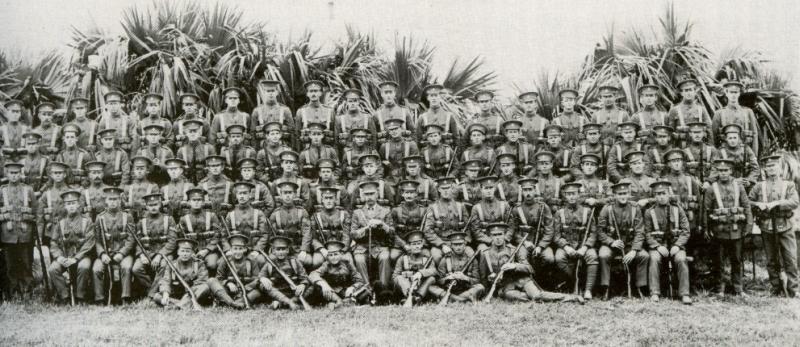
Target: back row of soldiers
{"x": 379, "y": 203}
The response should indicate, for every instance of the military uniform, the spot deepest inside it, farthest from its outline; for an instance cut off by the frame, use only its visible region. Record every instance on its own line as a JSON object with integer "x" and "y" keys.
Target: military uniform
{"x": 548, "y": 186}
{"x": 167, "y": 134}
{"x": 198, "y": 114}
{"x": 439, "y": 116}
{"x": 117, "y": 226}
{"x": 219, "y": 187}
{"x": 355, "y": 120}
{"x": 487, "y": 211}
{"x": 204, "y": 228}
{"x": 274, "y": 286}
{"x": 574, "y": 228}
{"x": 227, "y": 117}
{"x": 251, "y": 222}
{"x": 245, "y": 268}
{"x": 686, "y": 112}
{"x": 598, "y": 148}
{"x": 156, "y": 152}
{"x": 235, "y": 151}
{"x": 617, "y": 167}
{"x": 126, "y": 126}
{"x": 469, "y": 190}
{"x": 157, "y": 234}
{"x": 594, "y": 192}
{"x": 290, "y": 158}
{"x": 293, "y": 222}
{"x": 655, "y": 153}
{"x": 648, "y": 116}
{"x": 274, "y": 111}
{"x": 412, "y": 265}
{"x": 71, "y": 239}
{"x": 745, "y": 164}
{"x": 571, "y": 121}
{"x": 268, "y": 156}
{"x": 610, "y": 116}
{"x": 533, "y": 128}
{"x": 138, "y": 189}
{"x": 385, "y": 191}
{"x": 338, "y": 281}
{"x": 329, "y": 224}
{"x": 482, "y": 151}
{"x": 75, "y": 157}
{"x": 351, "y": 157}
{"x": 535, "y": 219}
{"x": 465, "y": 283}
{"x": 639, "y": 182}
{"x": 194, "y": 151}
{"x": 34, "y": 163}
{"x": 700, "y": 156}
{"x": 492, "y": 121}
{"x": 17, "y": 225}
{"x": 523, "y": 152}
{"x": 11, "y": 132}
{"x": 118, "y": 166}
{"x": 379, "y": 243}
{"x": 192, "y": 271}
{"x": 440, "y": 159}
{"x": 92, "y": 196}
{"x": 394, "y": 149}
{"x": 313, "y": 153}
{"x": 175, "y": 199}
{"x": 51, "y": 137}
{"x": 388, "y": 110}
{"x": 445, "y": 217}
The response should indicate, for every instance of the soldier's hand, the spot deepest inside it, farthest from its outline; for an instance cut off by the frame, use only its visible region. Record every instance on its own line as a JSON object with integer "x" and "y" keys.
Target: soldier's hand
{"x": 164, "y": 299}
{"x": 451, "y": 276}
{"x": 674, "y": 250}
{"x": 144, "y": 260}
{"x": 348, "y": 293}
{"x": 618, "y": 244}
{"x": 156, "y": 260}
{"x": 298, "y": 291}
{"x": 582, "y": 251}
{"x": 302, "y": 255}
{"x": 417, "y": 276}
{"x": 508, "y": 267}
{"x": 643, "y": 202}
{"x": 202, "y": 253}
{"x": 537, "y": 251}
{"x": 570, "y": 251}
{"x": 105, "y": 259}
{"x": 628, "y": 258}
{"x": 446, "y": 249}
{"x": 527, "y": 244}
{"x": 232, "y": 287}
{"x": 591, "y": 201}
{"x": 266, "y": 285}
{"x": 492, "y": 277}
{"x": 663, "y": 251}
{"x": 71, "y": 261}
{"x": 118, "y": 258}
{"x": 63, "y": 262}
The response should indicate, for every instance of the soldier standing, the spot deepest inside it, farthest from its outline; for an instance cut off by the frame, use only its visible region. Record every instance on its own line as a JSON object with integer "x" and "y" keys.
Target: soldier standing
{"x": 745, "y": 163}
{"x": 176, "y": 200}
{"x": 157, "y": 234}
{"x": 352, "y": 155}
{"x": 570, "y": 119}
{"x": 269, "y": 111}
{"x": 118, "y": 166}
{"x": 315, "y": 112}
{"x": 446, "y": 216}
{"x": 655, "y": 153}
{"x": 49, "y": 131}
{"x": 291, "y": 220}
{"x": 235, "y": 150}
{"x": 268, "y": 156}
{"x": 315, "y": 150}
{"x": 639, "y": 182}
{"x": 354, "y": 118}
{"x": 594, "y": 192}
{"x": 34, "y": 162}
{"x": 17, "y": 225}
{"x": 575, "y": 238}
{"x": 649, "y": 116}
{"x": 154, "y": 150}
{"x": 152, "y": 116}
{"x": 396, "y": 148}
{"x": 548, "y": 186}
{"x": 218, "y": 186}
{"x": 119, "y": 248}
{"x": 615, "y": 159}
{"x": 437, "y": 114}
{"x": 734, "y": 113}
{"x": 12, "y": 131}
{"x": 203, "y": 227}
{"x": 489, "y": 118}
{"x": 689, "y": 110}
{"x": 469, "y": 191}
{"x": 194, "y": 150}
{"x": 439, "y": 158}
{"x": 489, "y": 210}
{"x": 113, "y": 117}
{"x": 507, "y": 187}
{"x": 523, "y": 152}
{"x": 610, "y": 116}
{"x": 390, "y": 109}
{"x": 74, "y": 156}
{"x": 590, "y": 145}
{"x": 535, "y": 219}
{"x": 72, "y": 242}
{"x": 478, "y": 150}
{"x": 248, "y": 221}
{"x": 369, "y": 165}
{"x": 139, "y": 187}
{"x": 79, "y": 108}
{"x": 408, "y": 215}
{"x": 191, "y": 112}
{"x": 231, "y": 115}
{"x": 533, "y": 124}
{"x": 562, "y": 154}
{"x": 332, "y": 223}
{"x": 94, "y": 201}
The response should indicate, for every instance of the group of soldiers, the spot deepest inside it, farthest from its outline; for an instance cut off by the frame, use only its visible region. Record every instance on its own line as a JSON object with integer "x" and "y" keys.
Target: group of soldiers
{"x": 334, "y": 206}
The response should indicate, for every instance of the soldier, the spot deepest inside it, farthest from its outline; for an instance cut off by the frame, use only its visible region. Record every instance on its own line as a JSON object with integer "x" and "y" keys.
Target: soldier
{"x": 655, "y": 153}
{"x": 457, "y": 274}
{"x": 274, "y": 285}
{"x": 488, "y": 117}
{"x": 79, "y": 107}
{"x": 72, "y": 242}
{"x": 373, "y": 231}
{"x": 248, "y": 221}
{"x": 292, "y": 221}
{"x": 689, "y": 110}
{"x": 489, "y": 210}
{"x": 699, "y": 155}
{"x": 194, "y": 150}
{"x": 620, "y": 231}
{"x": 352, "y": 155}
{"x": 745, "y": 164}
{"x": 176, "y": 200}
{"x": 396, "y": 148}
{"x": 337, "y": 279}
{"x": 190, "y": 269}
{"x": 507, "y": 187}
{"x": 575, "y": 238}
{"x": 118, "y": 166}
{"x": 152, "y": 116}
{"x": 533, "y": 123}
{"x": 437, "y": 114}
{"x": 548, "y": 186}
{"x": 570, "y": 119}
{"x": 235, "y": 150}
{"x": 315, "y": 150}
{"x": 685, "y": 190}
{"x": 229, "y": 116}
{"x": 74, "y": 156}
{"x": 639, "y": 182}
{"x": 325, "y": 168}
{"x": 774, "y": 201}
{"x": 666, "y": 230}
{"x": 426, "y": 187}
{"x": 734, "y": 113}
{"x": 203, "y": 227}
{"x": 478, "y": 150}
{"x": 617, "y": 168}
{"x": 413, "y": 272}
{"x": 370, "y": 165}
{"x": 594, "y": 192}
{"x": 268, "y": 156}
{"x": 17, "y": 225}
{"x": 269, "y": 111}
{"x": 157, "y": 234}
{"x": 191, "y": 112}
{"x": 50, "y": 199}
{"x": 218, "y": 186}
{"x": 153, "y": 149}
{"x": 354, "y": 118}
{"x": 469, "y": 191}
{"x": 446, "y": 216}
{"x": 262, "y": 196}
{"x": 119, "y": 248}
{"x": 289, "y": 174}
{"x": 523, "y": 152}
{"x": 224, "y": 285}
{"x": 516, "y": 283}
{"x": 649, "y": 115}
{"x": 113, "y": 117}
{"x": 330, "y": 222}
{"x": 315, "y": 112}
{"x": 590, "y": 145}
{"x": 562, "y": 154}
{"x": 139, "y": 187}
{"x": 440, "y": 159}
{"x": 34, "y": 162}
{"x": 409, "y": 214}
{"x": 390, "y": 109}
{"x": 610, "y": 116}
{"x": 12, "y": 130}
{"x": 535, "y": 219}
{"x": 92, "y": 195}
{"x": 49, "y": 131}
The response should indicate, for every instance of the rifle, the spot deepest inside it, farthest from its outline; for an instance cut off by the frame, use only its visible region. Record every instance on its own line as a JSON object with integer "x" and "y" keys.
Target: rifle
{"x": 414, "y": 285}
{"x": 580, "y": 260}
{"x": 702, "y": 212}
{"x": 446, "y": 297}
{"x": 235, "y": 276}
{"x": 195, "y": 304}
{"x": 453, "y": 159}
{"x": 225, "y": 225}
{"x": 288, "y": 280}
{"x": 624, "y": 265}
{"x": 319, "y": 227}
{"x": 139, "y": 243}
{"x": 669, "y": 259}
{"x": 538, "y": 227}
{"x": 45, "y": 276}
{"x": 488, "y": 297}
{"x": 109, "y": 268}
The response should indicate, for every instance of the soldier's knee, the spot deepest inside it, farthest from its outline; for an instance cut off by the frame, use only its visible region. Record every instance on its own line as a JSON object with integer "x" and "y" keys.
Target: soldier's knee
{"x": 548, "y": 255}
{"x": 680, "y": 257}
{"x": 590, "y": 257}
{"x": 655, "y": 257}
{"x": 384, "y": 256}
{"x": 604, "y": 254}
{"x": 642, "y": 256}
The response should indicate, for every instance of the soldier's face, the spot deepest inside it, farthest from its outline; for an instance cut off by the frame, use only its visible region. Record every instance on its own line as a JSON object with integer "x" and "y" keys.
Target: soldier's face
{"x": 512, "y": 135}
{"x": 637, "y": 167}
{"x": 235, "y": 139}
{"x": 280, "y": 251}
{"x": 153, "y": 207}
{"x": 622, "y": 195}
{"x": 14, "y": 112}
{"x": 58, "y": 175}
{"x": 484, "y": 102}
{"x": 185, "y": 254}
{"x": 648, "y": 99}
{"x": 395, "y": 132}
{"x": 328, "y": 201}
{"x": 409, "y": 195}
{"x": 139, "y": 171}
{"x": 274, "y": 136}
{"x": 192, "y": 134}
{"x": 13, "y": 175}
{"x": 568, "y": 103}
{"x": 697, "y": 135}
{"x": 416, "y": 247}
{"x": 189, "y": 105}
{"x": 388, "y": 94}
{"x": 544, "y": 166}
{"x": 412, "y": 169}
{"x": 153, "y": 138}
{"x": 688, "y": 91}
{"x": 507, "y": 168}
{"x": 32, "y": 146}
{"x": 287, "y": 196}
{"x": 772, "y": 169}
{"x": 445, "y": 192}
{"x": 353, "y": 103}
{"x": 498, "y": 238}
{"x": 314, "y": 92}
{"x": 628, "y": 134}
{"x": 325, "y": 174}
{"x": 571, "y": 197}
{"x": 458, "y": 246}
{"x": 232, "y": 100}
{"x": 487, "y": 191}
{"x": 476, "y": 137}
{"x": 369, "y": 169}
{"x": 243, "y": 196}
{"x": 662, "y": 198}
{"x": 70, "y": 139}
{"x": 114, "y": 104}
{"x": 112, "y": 202}
{"x": 434, "y": 98}
{"x": 471, "y": 173}
{"x": 214, "y": 169}
{"x": 107, "y": 142}
{"x": 528, "y": 193}
{"x": 237, "y": 251}
{"x": 588, "y": 168}
{"x": 71, "y": 206}
{"x": 607, "y": 98}
{"x": 196, "y": 203}
{"x": 592, "y": 136}
{"x": 270, "y": 94}
{"x": 554, "y": 140}
{"x": 247, "y": 173}
{"x": 175, "y": 172}
{"x": 46, "y": 114}
{"x": 434, "y": 139}
{"x": 676, "y": 164}
{"x": 316, "y": 137}
{"x": 724, "y": 174}
{"x": 289, "y": 166}
{"x": 153, "y": 107}
{"x": 732, "y": 139}
{"x": 359, "y": 140}
{"x": 369, "y": 196}
{"x": 334, "y": 256}
{"x": 530, "y": 105}
{"x": 95, "y": 175}
{"x": 733, "y": 93}
{"x": 662, "y": 138}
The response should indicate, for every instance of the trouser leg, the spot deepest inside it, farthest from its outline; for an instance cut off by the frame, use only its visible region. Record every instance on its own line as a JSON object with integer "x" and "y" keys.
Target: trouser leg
{"x": 141, "y": 275}
{"x": 590, "y": 258}
{"x": 562, "y": 262}
{"x": 424, "y": 284}
{"x": 640, "y": 262}
{"x": 655, "y": 273}
{"x": 126, "y": 276}
{"x": 98, "y": 279}
{"x": 605, "y": 268}
{"x": 789, "y": 253}
{"x": 510, "y": 292}
{"x": 211, "y": 261}
{"x": 57, "y": 280}
{"x": 734, "y": 250}
{"x": 402, "y": 285}
{"x": 385, "y": 267}
{"x": 681, "y": 266}
{"x": 536, "y": 294}
{"x": 773, "y": 262}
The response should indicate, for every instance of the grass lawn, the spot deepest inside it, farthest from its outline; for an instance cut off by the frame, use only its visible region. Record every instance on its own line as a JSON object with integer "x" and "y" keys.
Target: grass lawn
{"x": 710, "y": 321}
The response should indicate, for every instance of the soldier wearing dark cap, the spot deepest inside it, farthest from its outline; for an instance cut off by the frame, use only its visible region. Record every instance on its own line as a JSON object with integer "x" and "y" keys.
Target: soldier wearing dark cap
{"x": 548, "y": 185}
{"x": 774, "y": 200}
{"x": 235, "y": 150}
{"x": 445, "y": 216}
{"x": 112, "y": 116}
{"x": 489, "y": 117}
{"x": 231, "y": 115}
{"x": 535, "y": 218}
{"x": 649, "y": 115}
{"x": 288, "y": 160}
{"x": 34, "y": 162}
{"x": 17, "y": 225}
{"x": 274, "y": 286}
{"x": 11, "y": 132}
{"x": 523, "y": 152}
{"x": 620, "y": 231}
{"x": 118, "y": 166}
{"x": 262, "y": 196}
{"x": 175, "y": 199}
{"x": 337, "y": 280}
{"x": 194, "y": 150}
{"x": 609, "y": 116}
{"x": 50, "y": 204}
{"x": 698, "y": 153}
{"x": 48, "y": 130}
{"x": 489, "y": 210}
{"x": 469, "y": 190}
{"x": 72, "y": 240}
{"x": 157, "y": 233}
{"x": 455, "y": 271}
{"x": 396, "y": 148}
{"x": 594, "y": 191}
{"x": 269, "y": 111}
{"x": 218, "y": 186}
{"x": 426, "y": 188}
{"x": 330, "y": 222}
{"x": 139, "y": 187}
{"x": 224, "y": 286}
{"x": 409, "y": 213}
{"x": 655, "y": 153}
{"x": 351, "y": 155}
{"x": 152, "y": 116}
{"x": 734, "y": 113}
{"x": 203, "y": 227}
{"x": 268, "y": 156}
{"x": 438, "y": 114}
{"x": 77, "y": 109}
{"x": 684, "y": 189}
{"x": 615, "y": 158}
{"x": 479, "y": 150}
{"x": 292, "y": 221}
{"x": 666, "y": 230}
{"x": 370, "y": 164}
{"x": 390, "y": 109}
{"x": 119, "y": 248}
{"x": 354, "y": 117}
{"x": 507, "y": 186}
{"x": 74, "y": 156}
{"x": 590, "y": 145}
{"x": 414, "y": 267}
{"x": 533, "y": 123}
{"x": 745, "y": 163}
{"x": 373, "y": 231}
{"x": 152, "y": 148}
{"x": 562, "y": 154}
{"x": 574, "y": 243}
{"x": 326, "y": 179}
{"x": 245, "y": 220}
{"x": 315, "y": 111}
{"x": 171, "y": 291}
{"x": 440, "y": 159}
{"x": 314, "y": 151}
{"x": 689, "y": 110}
{"x": 92, "y": 195}
{"x": 570, "y": 119}
{"x": 192, "y": 111}
{"x": 639, "y": 182}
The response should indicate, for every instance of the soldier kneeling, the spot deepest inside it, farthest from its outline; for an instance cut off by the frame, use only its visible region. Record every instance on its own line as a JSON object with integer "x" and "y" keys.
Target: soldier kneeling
{"x": 337, "y": 280}
{"x": 189, "y": 270}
